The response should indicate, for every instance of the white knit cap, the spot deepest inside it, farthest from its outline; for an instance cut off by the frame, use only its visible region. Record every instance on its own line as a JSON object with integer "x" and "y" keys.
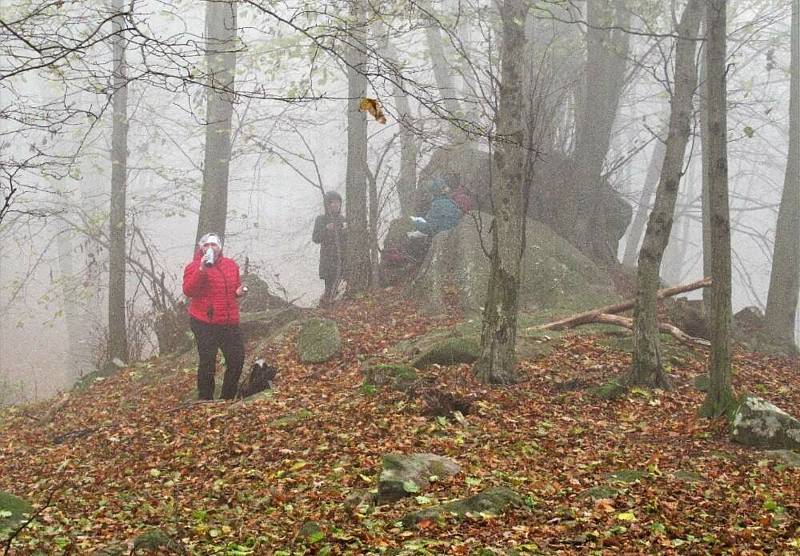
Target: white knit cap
{"x": 210, "y": 238}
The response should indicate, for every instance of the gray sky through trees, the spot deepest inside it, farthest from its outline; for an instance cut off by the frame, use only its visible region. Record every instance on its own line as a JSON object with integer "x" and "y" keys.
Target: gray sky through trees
{"x": 289, "y": 138}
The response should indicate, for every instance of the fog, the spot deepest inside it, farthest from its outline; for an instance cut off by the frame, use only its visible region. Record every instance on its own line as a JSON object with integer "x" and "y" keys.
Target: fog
{"x": 290, "y": 141}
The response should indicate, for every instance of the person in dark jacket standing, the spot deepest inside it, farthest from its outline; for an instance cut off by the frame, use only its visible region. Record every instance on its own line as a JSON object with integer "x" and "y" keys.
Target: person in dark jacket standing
{"x": 329, "y": 234}
{"x": 213, "y": 284}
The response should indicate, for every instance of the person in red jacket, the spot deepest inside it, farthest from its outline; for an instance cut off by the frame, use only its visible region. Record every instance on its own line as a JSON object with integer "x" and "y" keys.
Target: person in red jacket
{"x": 213, "y": 283}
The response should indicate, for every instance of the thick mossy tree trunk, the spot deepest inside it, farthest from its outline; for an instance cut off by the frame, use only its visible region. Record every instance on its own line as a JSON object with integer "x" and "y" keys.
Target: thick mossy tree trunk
{"x": 784, "y": 283}
{"x": 221, "y": 44}
{"x": 357, "y": 264}
{"x": 497, "y": 362}
{"x": 117, "y": 330}
{"x": 720, "y": 398}
{"x": 647, "y": 368}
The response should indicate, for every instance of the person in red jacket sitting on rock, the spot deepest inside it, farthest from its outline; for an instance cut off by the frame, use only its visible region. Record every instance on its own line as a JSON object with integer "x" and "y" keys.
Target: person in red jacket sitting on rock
{"x": 213, "y": 284}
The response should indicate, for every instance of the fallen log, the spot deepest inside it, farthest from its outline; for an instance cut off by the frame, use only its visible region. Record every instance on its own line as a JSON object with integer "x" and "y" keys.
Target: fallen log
{"x": 590, "y": 316}
{"x": 673, "y": 331}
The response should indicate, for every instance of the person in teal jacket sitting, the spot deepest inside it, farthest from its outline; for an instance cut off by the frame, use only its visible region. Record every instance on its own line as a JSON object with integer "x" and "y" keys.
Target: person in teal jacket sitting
{"x": 443, "y": 215}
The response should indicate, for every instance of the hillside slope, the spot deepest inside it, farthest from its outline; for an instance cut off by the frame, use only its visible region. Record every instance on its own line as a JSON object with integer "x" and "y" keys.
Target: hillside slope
{"x": 641, "y": 474}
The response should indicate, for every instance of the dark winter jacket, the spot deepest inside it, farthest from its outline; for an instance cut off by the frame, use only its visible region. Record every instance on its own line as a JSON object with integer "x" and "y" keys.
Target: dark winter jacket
{"x": 332, "y": 243}
{"x": 212, "y": 292}
{"x": 443, "y": 215}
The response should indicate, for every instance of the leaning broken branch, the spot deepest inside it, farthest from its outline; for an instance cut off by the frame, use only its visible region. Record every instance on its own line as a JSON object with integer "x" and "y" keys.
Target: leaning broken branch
{"x": 591, "y": 316}
{"x": 673, "y": 331}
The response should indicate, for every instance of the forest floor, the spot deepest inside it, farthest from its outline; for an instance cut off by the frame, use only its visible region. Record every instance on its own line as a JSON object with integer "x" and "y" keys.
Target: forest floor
{"x": 640, "y": 474}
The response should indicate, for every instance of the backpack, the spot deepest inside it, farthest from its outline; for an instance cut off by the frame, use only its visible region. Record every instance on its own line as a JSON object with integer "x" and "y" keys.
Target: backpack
{"x": 260, "y": 379}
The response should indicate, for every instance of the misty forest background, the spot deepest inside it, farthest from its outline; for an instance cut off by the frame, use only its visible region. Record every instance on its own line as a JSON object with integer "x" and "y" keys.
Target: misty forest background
{"x": 527, "y": 382}
{"x": 129, "y": 128}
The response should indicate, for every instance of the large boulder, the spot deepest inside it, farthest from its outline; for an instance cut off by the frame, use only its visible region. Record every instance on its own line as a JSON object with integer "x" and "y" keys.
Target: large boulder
{"x": 318, "y": 340}
{"x": 556, "y": 190}
{"x": 555, "y": 275}
{"x": 13, "y": 511}
{"x": 492, "y": 501}
{"x": 760, "y": 424}
{"x": 405, "y": 475}
{"x": 260, "y": 296}
{"x": 450, "y": 351}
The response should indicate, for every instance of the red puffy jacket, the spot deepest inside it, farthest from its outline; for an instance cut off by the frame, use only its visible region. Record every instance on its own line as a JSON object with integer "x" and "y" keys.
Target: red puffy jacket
{"x": 213, "y": 291}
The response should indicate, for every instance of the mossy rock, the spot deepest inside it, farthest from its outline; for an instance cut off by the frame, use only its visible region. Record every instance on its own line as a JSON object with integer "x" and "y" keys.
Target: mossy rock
{"x": 259, "y": 296}
{"x": 291, "y": 420}
{"x": 268, "y": 324}
{"x": 13, "y": 510}
{"x": 311, "y": 532}
{"x": 406, "y": 474}
{"x": 789, "y": 458}
{"x": 688, "y": 476}
{"x": 612, "y": 390}
{"x": 531, "y": 345}
{"x": 318, "y": 340}
{"x": 677, "y": 353}
{"x": 494, "y": 501}
{"x": 154, "y": 539}
{"x": 627, "y": 475}
{"x": 761, "y": 424}
{"x": 399, "y": 377}
{"x": 701, "y": 382}
{"x": 599, "y": 491}
{"x": 450, "y": 351}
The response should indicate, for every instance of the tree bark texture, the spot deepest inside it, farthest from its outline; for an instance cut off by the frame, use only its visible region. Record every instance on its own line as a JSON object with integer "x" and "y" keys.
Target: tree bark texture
{"x": 640, "y": 219}
{"x": 720, "y": 398}
{"x": 442, "y": 71}
{"x": 499, "y": 328}
{"x": 602, "y": 86}
{"x": 221, "y": 45}
{"x": 407, "y": 177}
{"x": 117, "y": 330}
{"x": 357, "y": 264}
{"x": 784, "y": 283}
{"x": 647, "y": 368}
{"x": 705, "y": 194}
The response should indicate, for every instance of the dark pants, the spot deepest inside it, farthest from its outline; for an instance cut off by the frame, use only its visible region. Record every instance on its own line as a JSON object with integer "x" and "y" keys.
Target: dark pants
{"x": 211, "y": 338}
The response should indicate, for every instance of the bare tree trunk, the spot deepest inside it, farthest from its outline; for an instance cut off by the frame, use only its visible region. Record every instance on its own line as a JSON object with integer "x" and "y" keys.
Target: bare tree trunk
{"x": 603, "y": 83}
{"x": 407, "y": 178}
{"x": 117, "y": 333}
{"x": 374, "y": 215}
{"x": 357, "y": 267}
{"x": 221, "y": 44}
{"x": 508, "y": 193}
{"x": 784, "y": 283}
{"x": 640, "y": 219}
{"x": 675, "y": 252}
{"x": 647, "y": 368}
{"x": 442, "y": 71}
{"x": 75, "y": 316}
{"x": 720, "y": 398}
{"x": 706, "y": 180}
